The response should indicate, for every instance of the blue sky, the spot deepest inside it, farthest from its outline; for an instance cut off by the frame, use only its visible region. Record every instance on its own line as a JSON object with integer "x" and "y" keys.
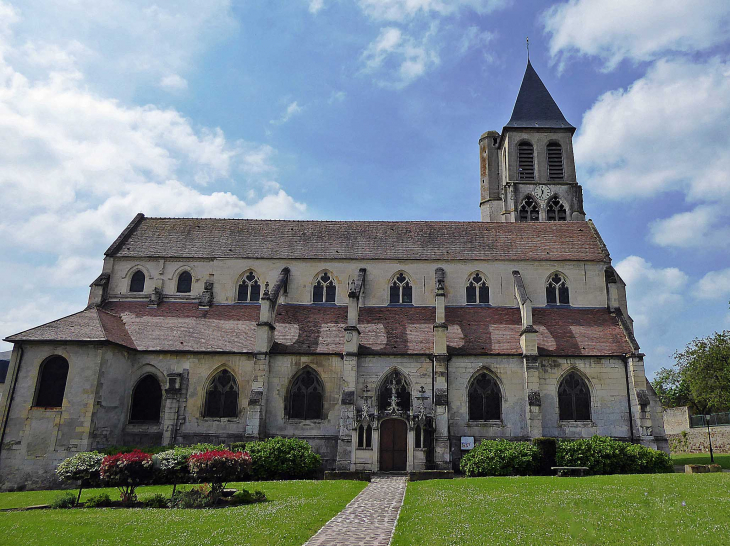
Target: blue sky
{"x": 360, "y": 109}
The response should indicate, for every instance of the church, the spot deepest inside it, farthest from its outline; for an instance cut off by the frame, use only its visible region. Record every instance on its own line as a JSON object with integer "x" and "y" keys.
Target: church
{"x": 388, "y": 346}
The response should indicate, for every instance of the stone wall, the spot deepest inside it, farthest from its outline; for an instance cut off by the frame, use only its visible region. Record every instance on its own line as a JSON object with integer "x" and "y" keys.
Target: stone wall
{"x": 695, "y": 440}
{"x": 676, "y": 420}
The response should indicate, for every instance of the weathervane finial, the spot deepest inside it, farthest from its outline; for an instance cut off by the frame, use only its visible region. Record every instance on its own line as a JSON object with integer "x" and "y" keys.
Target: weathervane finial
{"x": 528, "y": 49}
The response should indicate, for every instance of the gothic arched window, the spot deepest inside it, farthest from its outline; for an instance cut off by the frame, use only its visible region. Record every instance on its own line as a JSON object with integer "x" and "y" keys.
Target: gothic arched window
{"x": 394, "y": 380}
{"x": 401, "y": 289}
{"x": 525, "y": 161}
{"x": 485, "y": 399}
{"x": 250, "y": 288}
{"x": 556, "y": 170}
{"x": 146, "y": 400}
{"x": 556, "y": 210}
{"x": 529, "y": 210}
{"x": 574, "y": 398}
{"x": 221, "y": 399}
{"x": 137, "y": 282}
{"x": 306, "y": 396}
{"x": 556, "y": 290}
{"x": 184, "y": 282}
{"x": 324, "y": 288}
{"x": 51, "y": 383}
{"x": 477, "y": 289}
{"x": 365, "y": 436}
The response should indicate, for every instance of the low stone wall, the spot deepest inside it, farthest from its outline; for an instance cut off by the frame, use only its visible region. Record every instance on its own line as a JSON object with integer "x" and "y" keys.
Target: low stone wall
{"x": 694, "y": 440}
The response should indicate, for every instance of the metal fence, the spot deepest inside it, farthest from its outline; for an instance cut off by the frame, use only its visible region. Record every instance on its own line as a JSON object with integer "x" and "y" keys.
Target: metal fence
{"x": 715, "y": 420}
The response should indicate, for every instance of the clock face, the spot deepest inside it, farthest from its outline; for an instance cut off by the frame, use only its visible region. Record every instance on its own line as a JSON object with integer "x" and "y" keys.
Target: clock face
{"x": 542, "y": 192}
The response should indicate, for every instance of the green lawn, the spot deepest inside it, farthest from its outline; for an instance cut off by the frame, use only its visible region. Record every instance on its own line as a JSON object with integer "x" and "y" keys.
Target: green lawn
{"x": 634, "y": 509}
{"x": 701, "y": 458}
{"x": 294, "y": 512}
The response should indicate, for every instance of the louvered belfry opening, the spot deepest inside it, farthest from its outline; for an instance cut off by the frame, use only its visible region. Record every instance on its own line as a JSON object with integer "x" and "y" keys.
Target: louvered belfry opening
{"x": 525, "y": 161}
{"x": 556, "y": 170}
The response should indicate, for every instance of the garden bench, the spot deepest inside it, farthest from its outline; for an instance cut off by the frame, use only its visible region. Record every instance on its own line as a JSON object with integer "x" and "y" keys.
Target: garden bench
{"x": 570, "y": 470}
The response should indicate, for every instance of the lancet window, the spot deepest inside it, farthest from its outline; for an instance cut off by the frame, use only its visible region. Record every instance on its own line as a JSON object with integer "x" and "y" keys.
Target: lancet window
{"x": 401, "y": 289}
{"x": 574, "y": 398}
{"x": 485, "y": 399}
{"x": 250, "y": 288}
{"x": 556, "y": 290}
{"x": 324, "y": 288}
{"x": 222, "y": 396}
{"x": 529, "y": 210}
{"x": 477, "y": 289}
{"x": 306, "y": 396}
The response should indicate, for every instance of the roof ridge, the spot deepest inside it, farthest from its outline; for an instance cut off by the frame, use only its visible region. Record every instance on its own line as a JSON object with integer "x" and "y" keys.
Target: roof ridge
{"x": 124, "y": 235}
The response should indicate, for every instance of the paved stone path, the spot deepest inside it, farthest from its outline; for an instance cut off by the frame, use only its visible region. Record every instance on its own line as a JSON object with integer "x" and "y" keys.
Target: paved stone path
{"x": 369, "y": 519}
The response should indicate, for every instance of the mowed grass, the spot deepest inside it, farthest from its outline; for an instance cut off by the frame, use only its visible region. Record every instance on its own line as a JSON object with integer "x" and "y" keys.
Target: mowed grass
{"x": 295, "y": 510}
{"x": 631, "y": 509}
{"x": 701, "y": 458}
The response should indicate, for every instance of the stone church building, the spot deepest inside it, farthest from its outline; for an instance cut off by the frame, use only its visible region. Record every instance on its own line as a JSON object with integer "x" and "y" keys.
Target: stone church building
{"x": 382, "y": 344}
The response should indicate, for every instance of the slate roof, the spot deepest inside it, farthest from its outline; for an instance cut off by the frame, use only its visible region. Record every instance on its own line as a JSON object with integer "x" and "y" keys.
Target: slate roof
{"x": 535, "y": 106}
{"x": 294, "y": 239}
{"x": 314, "y": 329}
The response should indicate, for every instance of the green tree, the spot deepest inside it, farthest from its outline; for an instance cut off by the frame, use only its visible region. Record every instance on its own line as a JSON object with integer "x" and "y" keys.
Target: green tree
{"x": 700, "y": 376}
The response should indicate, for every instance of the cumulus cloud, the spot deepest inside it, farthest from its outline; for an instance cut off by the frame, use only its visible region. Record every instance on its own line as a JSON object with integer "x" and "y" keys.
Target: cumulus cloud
{"x": 704, "y": 226}
{"x": 401, "y": 10}
{"x": 173, "y": 82}
{"x": 293, "y": 109}
{"x": 714, "y": 285}
{"x": 399, "y": 59}
{"x": 315, "y": 5}
{"x": 654, "y": 294}
{"x": 614, "y": 30}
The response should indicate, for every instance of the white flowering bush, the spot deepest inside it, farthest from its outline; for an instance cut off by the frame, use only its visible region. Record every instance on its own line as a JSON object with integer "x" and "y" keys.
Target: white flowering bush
{"x": 83, "y": 467}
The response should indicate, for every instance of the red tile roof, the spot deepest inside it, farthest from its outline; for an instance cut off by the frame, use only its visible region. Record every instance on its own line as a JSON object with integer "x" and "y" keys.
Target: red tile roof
{"x": 294, "y": 239}
{"x": 315, "y": 329}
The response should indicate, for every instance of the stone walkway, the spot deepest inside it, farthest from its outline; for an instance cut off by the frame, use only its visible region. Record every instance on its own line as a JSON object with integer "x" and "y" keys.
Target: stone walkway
{"x": 369, "y": 519}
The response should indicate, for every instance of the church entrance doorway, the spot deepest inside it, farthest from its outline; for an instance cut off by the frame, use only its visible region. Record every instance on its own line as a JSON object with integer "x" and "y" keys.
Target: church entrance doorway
{"x": 393, "y": 445}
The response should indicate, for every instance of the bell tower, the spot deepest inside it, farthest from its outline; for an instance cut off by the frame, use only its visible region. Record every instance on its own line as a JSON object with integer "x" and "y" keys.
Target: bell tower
{"x": 528, "y": 171}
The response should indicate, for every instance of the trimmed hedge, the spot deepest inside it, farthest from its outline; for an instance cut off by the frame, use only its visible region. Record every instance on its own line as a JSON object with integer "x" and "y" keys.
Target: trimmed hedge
{"x": 501, "y": 458}
{"x": 281, "y": 458}
{"x": 604, "y": 455}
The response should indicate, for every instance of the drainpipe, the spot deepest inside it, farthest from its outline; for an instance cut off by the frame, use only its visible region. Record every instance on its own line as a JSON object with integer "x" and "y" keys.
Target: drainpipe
{"x": 628, "y": 399}
{"x": 11, "y": 394}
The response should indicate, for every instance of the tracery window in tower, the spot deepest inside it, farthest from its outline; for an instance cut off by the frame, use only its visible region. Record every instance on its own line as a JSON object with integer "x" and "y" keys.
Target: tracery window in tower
{"x": 556, "y": 290}
{"x": 485, "y": 399}
{"x": 556, "y": 210}
{"x": 184, "y": 282}
{"x": 401, "y": 289}
{"x": 136, "y": 284}
{"x": 146, "y": 400}
{"x": 222, "y": 396}
{"x": 395, "y": 380}
{"x": 529, "y": 210}
{"x": 525, "y": 161}
{"x": 306, "y": 396}
{"x": 250, "y": 288}
{"x": 556, "y": 170}
{"x": 574, "y": 398}
{"x": 324, "y": 288}
{"x": 52, "y": 383}
{"x": 477, "y": 289}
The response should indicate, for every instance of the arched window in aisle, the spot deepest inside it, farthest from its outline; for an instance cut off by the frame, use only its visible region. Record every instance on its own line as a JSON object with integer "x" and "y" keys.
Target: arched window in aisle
{"x": 574, "y": 398}
{"x": 146, "y": 400}
{"x": 52, "y": 377}
{"x": 221, "y": 398}
{"x": 306, "y": 396}
{"x": 485, "y": 398}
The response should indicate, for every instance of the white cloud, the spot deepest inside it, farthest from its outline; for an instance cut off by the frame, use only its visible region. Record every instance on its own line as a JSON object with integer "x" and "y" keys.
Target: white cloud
{"x": 337, "y": 96}
{"x": 173, "y": 82}
{"x": 715, "y": 285}
{"x": 315, "y": 6}
{"x": 400, "y": 10}
{"x": 292, "y": 110}
{"x": 637, "y": 30}
{"x": 704, "y": 226}
{"x": 654, "y": 294}
{"x": 398, "y": 58}
{"x": 666, "y": 132}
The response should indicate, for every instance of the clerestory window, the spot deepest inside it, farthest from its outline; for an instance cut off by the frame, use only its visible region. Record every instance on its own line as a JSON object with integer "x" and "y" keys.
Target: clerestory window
{"x": 184, "y": 282}
{"x": 324, "y": 289}
{"x": 136, "y": 284}
{"x": 556, "y": 290}
{"x": 401, "y": 289}
{"x": 250, "y": 288}
{"x": 477, "y": 289}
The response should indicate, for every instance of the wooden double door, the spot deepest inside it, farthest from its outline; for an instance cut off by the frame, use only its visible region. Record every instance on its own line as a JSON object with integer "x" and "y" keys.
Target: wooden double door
{"x": 393, "y": 445}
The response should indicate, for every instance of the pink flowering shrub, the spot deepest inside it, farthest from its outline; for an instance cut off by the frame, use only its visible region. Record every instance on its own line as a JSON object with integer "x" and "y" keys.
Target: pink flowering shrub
{"x": 126, "y": 471}
{"x": 219, "y": 467}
